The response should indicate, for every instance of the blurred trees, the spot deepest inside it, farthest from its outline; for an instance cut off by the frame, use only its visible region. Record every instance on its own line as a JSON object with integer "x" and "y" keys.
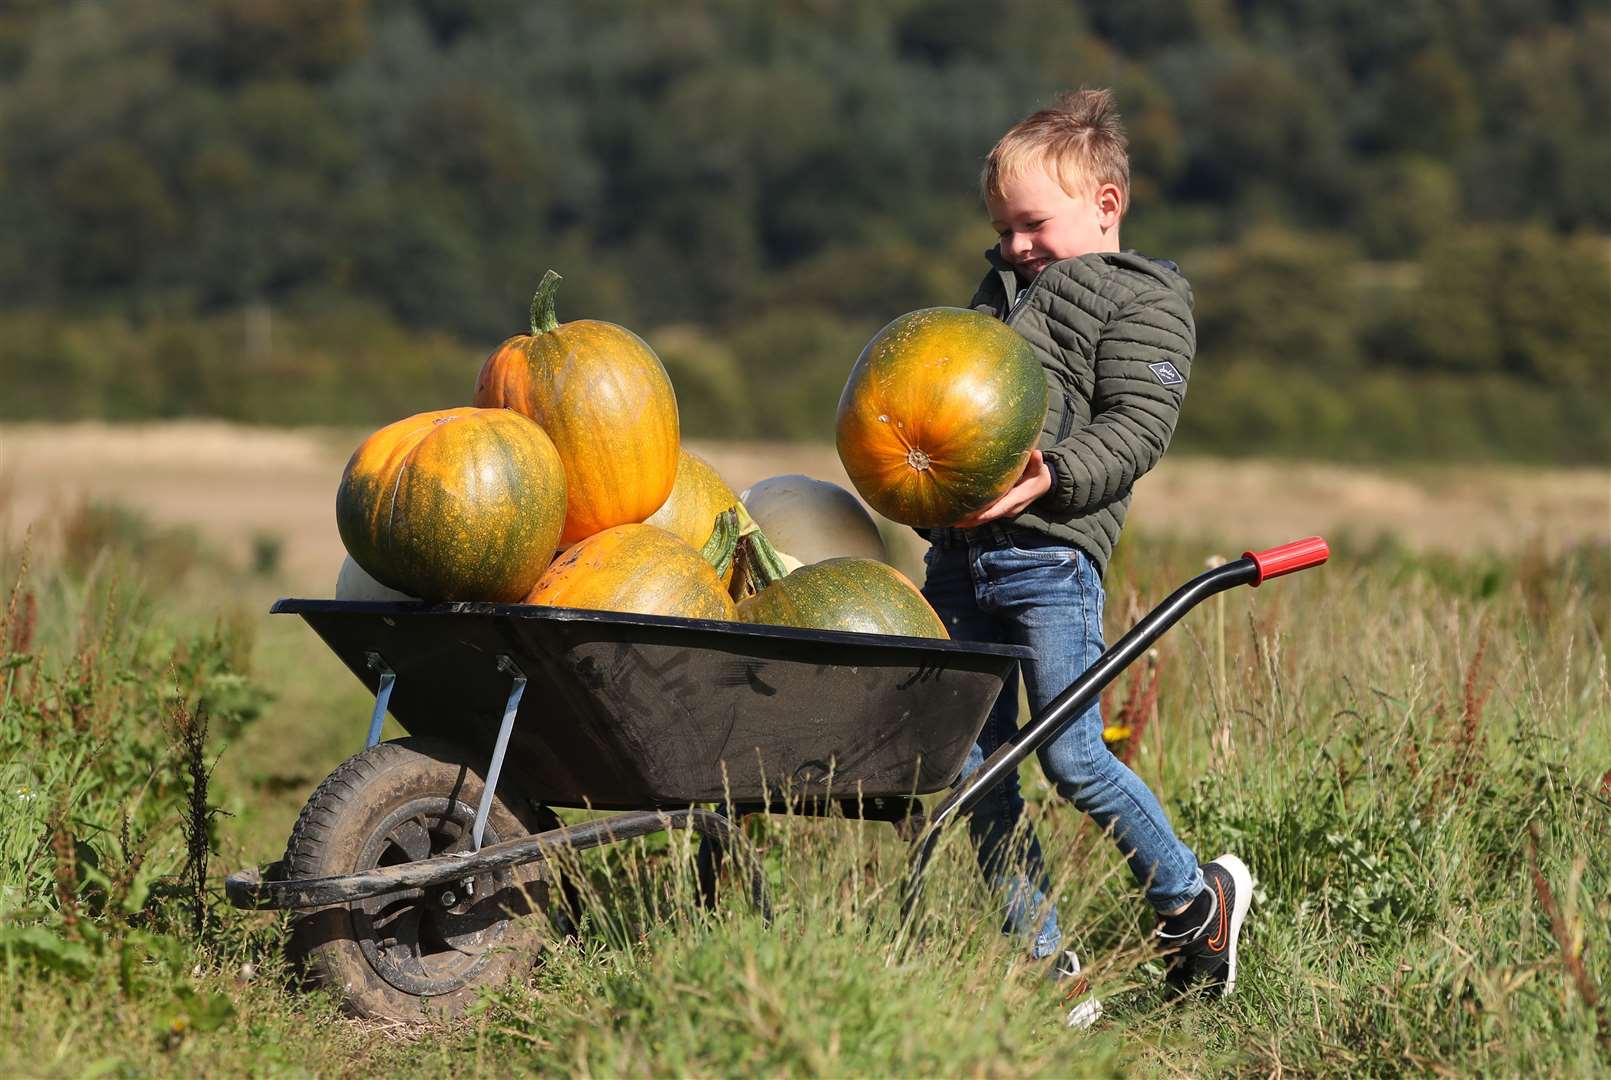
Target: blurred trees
{"x": 1363, "y": 196}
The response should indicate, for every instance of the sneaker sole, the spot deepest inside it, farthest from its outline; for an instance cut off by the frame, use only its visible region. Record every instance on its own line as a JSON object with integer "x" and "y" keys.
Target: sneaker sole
{"x": 1239, "y": 908}
{"x": 1084, "y": 1015}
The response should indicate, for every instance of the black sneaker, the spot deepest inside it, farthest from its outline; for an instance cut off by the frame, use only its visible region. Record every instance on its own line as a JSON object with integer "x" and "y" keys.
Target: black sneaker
{"x": 1199, "y": 944}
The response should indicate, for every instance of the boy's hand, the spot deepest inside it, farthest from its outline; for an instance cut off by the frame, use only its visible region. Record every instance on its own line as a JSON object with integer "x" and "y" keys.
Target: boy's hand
{"x": 1035, "y": 482}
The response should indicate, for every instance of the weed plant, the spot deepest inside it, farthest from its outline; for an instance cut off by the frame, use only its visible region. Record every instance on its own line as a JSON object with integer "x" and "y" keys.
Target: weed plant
{"x": 1412, "y": 754}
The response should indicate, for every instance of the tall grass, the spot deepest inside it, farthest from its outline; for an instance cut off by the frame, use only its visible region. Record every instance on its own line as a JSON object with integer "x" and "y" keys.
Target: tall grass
{"x": 1408, "y": 752}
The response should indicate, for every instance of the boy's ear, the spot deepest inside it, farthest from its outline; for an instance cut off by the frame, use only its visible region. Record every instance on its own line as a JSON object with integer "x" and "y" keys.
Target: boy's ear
{"x": 1109, "y": 206}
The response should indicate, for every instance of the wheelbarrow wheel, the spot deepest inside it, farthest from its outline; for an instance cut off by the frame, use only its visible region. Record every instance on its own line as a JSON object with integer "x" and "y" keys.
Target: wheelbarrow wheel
{"x": 423, "y": 952}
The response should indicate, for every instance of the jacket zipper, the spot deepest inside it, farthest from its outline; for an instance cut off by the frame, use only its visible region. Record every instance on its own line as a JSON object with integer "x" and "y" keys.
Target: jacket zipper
{"x": 1066, "y": 424}
{"x": 1019, "y": 301}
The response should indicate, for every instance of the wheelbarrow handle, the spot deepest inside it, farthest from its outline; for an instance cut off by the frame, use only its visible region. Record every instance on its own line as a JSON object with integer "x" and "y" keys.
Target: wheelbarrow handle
{"x": 1288, "y": 558}
{"x": 1251, "y": 569}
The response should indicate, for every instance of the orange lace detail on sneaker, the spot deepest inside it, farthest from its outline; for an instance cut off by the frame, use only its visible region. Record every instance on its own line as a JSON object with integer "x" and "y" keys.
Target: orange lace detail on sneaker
{"x": 1216, "y": 941}
{"x": 1078, "y": 987}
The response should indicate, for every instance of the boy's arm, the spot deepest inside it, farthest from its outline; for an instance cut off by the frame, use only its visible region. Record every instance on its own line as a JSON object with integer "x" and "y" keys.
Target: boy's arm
{"x": 1143, "y": 360}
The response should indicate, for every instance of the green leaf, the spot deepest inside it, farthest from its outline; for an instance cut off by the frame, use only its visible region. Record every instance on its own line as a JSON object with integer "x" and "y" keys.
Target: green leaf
{"x": 38, "y": 946}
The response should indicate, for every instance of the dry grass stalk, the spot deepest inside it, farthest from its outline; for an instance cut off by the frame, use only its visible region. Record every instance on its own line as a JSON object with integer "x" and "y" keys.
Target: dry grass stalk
{"x": 1141, "y": 704}
{"x": 1256, "y": 688}
{"x": 8, "y": 626}
{"x": 1474, "y": 693}
{"x": 1571, "y": 950}
{"x": 21, "y": 621}
{"x": 1466, "y": 746}
{"x": 123, "y": 874}
{"x": 63, "y": 850}
{"x": 189, "y": 732}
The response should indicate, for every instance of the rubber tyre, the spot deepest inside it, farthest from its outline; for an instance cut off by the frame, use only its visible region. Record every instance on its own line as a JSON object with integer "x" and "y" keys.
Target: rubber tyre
{"x": 351, "y": 822}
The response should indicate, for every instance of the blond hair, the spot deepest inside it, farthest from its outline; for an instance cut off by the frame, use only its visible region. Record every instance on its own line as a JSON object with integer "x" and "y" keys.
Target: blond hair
{"x": 1080, "y": 141}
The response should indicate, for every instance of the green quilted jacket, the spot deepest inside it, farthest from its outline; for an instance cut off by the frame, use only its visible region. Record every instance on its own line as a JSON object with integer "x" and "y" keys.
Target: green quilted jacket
{"x": 1114, "y": 332}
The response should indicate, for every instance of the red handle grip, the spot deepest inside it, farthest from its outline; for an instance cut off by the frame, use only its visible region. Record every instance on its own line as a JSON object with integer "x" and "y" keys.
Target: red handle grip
{"x": 1288, "y": 558}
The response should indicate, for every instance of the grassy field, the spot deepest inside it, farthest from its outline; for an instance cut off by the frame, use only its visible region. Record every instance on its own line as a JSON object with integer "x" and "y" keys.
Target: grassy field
{"x": 1411, "y": 748}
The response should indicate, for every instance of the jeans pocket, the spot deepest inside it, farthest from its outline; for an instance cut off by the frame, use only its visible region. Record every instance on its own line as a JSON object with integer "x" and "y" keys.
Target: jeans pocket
{"x": 1051, "y": 555}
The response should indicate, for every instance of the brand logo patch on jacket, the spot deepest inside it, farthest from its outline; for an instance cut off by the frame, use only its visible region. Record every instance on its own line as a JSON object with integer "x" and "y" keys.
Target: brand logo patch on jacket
{"x": 1167, "y": 373}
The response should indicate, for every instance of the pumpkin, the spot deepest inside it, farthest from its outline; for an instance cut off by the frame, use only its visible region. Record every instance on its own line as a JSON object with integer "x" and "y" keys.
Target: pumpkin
{"x": 635, "y": 568}
{"x": 811, "y": 520}
{"x": 461, "y": 504}
{"x": 698, "y": 498}
{"x": 603, "y": 396}
{"x": 353, "y": 583}
{"x": 859, "y": 595}
{"x": 939, "y": 415}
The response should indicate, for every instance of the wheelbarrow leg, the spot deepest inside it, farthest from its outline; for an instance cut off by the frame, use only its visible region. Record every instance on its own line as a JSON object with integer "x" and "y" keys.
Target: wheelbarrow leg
{"x": 517, "y": 687}
{"x": 720, "y": 834}
{"x": 708, "y": 863}
{"x": 383, "y": 695}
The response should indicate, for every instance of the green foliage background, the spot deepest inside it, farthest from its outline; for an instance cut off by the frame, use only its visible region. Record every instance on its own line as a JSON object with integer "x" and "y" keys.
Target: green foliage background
{"x": 1396, "y": 218}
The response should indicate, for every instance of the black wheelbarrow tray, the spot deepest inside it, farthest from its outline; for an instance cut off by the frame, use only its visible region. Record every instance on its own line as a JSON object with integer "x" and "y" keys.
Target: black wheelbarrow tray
{"x": 413, "y": 854}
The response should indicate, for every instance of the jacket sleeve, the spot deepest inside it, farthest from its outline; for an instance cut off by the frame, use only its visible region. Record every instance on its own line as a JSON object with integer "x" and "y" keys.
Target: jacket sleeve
{"x": 1143, "y": 360}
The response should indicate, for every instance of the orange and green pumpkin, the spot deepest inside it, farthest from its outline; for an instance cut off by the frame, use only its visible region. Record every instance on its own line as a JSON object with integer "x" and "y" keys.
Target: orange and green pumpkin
{"x": 635, "y": 568}
{"x": 603, "y": 396}
{"x": 690, "y": 512}
{"x": 460, "y": 504}
{"x": 939, "y": 415}
{"x": 859, "y": 595}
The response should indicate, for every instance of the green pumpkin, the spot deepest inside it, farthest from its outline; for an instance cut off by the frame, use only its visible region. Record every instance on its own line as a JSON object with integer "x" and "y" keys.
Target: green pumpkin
{"x": 861, "y": 596}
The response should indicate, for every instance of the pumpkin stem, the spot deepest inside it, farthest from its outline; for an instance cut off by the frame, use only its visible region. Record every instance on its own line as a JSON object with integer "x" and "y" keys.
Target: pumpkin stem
{"x": 766, "y": 558}
{"x": 542, "y": 304}
{"x": 722, "y": 547}
{"x": 756, "y": 562}
{"x": 761, "y": 563}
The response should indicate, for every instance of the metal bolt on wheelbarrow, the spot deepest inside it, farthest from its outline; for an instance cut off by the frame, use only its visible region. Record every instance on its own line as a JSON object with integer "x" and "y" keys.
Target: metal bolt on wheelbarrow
{"x": 411, "y": 864}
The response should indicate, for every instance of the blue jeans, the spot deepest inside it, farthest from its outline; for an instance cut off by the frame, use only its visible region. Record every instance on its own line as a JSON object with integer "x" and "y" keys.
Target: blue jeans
{"x": 1002, "y": 584}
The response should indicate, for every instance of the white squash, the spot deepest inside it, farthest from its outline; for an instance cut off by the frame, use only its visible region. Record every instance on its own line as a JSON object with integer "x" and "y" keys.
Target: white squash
{"x": 354, "y": 583}
{"x": 810, "y": 520}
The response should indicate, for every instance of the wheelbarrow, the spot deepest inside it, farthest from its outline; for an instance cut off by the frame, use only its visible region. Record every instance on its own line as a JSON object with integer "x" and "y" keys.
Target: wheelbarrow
{"x": 413, "y": 864}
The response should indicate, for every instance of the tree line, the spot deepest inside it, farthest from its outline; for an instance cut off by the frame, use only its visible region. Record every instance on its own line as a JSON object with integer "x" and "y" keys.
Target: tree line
{"x": 1395, "y": 218}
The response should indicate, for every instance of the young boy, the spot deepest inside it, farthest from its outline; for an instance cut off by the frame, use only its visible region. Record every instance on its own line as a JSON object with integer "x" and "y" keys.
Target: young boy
{"x": 1114, "y": 332}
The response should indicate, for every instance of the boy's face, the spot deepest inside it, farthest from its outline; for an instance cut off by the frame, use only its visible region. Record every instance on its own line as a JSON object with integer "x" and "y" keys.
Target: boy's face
{"x": 1039, "y": 223}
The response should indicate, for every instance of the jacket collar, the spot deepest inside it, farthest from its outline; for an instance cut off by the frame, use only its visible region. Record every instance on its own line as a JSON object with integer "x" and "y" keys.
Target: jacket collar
{"x": 1167, "y": 273}
{"x": 1006, "y": 275}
